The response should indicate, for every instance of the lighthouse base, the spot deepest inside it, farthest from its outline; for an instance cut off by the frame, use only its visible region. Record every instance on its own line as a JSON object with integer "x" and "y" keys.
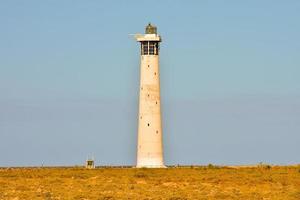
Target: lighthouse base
{"x": 151, "y": 166}
{"x": 150, "y": 163}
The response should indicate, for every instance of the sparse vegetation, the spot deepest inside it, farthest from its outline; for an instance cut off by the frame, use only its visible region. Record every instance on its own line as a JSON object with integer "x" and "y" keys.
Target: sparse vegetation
{"x": 264, "y": 166}
{"x": 173, "y": 183}
{"x": 211, "y": 166}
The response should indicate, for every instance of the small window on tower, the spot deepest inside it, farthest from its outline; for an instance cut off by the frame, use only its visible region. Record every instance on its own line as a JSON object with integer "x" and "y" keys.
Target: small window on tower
{"x": 148, "y": 124}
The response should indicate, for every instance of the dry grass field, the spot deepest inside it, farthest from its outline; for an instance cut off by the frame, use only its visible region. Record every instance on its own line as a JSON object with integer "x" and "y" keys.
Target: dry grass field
{"x": 263, "y": 182}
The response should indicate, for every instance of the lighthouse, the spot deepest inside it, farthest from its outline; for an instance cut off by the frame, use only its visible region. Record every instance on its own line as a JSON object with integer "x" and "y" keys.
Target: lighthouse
{"x": 149, "y": 143}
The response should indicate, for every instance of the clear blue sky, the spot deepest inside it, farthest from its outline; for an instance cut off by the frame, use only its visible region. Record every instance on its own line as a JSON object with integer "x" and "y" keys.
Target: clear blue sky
{"x": 69, "y": 78}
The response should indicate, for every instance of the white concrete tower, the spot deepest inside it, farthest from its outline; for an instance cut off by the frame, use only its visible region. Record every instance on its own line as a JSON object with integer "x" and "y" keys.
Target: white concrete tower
{"x": 150, "y": 146}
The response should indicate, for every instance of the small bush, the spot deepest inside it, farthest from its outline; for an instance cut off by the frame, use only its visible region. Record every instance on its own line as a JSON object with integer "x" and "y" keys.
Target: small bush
{"x": 268, "y": 167}
{"x": 140, "y": 175}
{"x": 211, "y": 166}
{"x": 264, "y": 166}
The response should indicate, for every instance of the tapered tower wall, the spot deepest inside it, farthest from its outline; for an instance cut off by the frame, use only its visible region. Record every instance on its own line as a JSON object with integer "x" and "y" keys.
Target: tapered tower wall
{"x": 150, "y": 146}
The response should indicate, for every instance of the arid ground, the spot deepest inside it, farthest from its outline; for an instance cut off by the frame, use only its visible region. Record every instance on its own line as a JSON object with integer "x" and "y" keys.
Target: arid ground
{"x": 210, "y": 182}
